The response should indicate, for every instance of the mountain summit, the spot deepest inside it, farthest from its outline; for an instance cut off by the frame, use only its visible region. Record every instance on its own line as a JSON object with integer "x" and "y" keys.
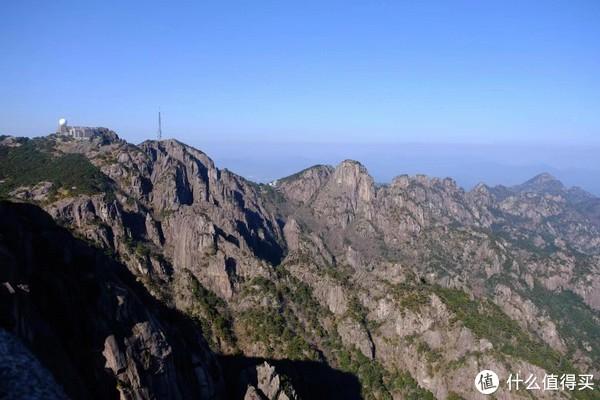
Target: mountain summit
{"x": 542, "y": 183}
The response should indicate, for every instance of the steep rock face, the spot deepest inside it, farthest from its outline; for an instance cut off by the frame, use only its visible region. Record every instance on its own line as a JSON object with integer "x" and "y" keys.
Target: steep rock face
{"x": 171, "y": 201}
{"x": 348, "y": 192}
{"x": 90, "y": 323}
{"x": 551, "y": 217}
{"x": 341, "y": 199}
{"x": 353, "y": 334}
{"x": 529, "y": 316}
{"x": 95, "y": 218}
{"x": 411, "y": 206}
{"x": 303, "y": 186}
{"x": 182, "y": 176}
{"x": 162, "y": 177}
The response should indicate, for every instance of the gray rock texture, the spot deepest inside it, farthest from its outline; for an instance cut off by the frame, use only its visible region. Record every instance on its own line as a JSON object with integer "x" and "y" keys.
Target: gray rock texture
{"x": 407, "y": 289}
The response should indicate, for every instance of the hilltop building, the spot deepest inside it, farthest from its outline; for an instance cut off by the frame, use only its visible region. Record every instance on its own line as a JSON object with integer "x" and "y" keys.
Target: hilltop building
{"x": 78, "y": 132}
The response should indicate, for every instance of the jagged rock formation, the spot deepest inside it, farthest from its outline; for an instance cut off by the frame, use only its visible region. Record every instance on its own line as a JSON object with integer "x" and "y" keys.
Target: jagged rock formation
{"x": 412, "y": 287}
{"x": 263, "y": 382}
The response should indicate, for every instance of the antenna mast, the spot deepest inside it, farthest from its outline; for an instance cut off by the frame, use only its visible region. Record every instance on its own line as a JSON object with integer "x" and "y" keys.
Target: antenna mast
{"x": 159, "y": 127}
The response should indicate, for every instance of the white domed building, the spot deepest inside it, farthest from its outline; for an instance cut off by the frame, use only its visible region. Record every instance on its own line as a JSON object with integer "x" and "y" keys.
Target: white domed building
{"x": 62, "y": 126}
{"x": 78, "y": 132}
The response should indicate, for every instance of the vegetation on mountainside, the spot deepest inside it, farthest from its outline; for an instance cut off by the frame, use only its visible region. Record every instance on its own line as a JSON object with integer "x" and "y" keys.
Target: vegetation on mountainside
{"x": 377, "y": 382}
{"x": 273, "y": 329}
{"x": 411, "y": 295}
{"x": 271, "y": 194}
{"x": 278, "y": 329}
{"x": 213, "y": 315}
{"x": 292, "y": 329}
{"x": 485, "y": 319}
{"x": 576, "y": 321}
{"x": 33, "y": 162}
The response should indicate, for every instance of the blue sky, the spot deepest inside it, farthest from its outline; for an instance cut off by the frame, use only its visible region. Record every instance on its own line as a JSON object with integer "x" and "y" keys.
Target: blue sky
{"x": 347, "y": 72}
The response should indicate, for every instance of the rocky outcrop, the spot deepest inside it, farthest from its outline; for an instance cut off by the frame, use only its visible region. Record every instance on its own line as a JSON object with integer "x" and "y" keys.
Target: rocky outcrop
{"x": 529, "y": 316}
{"x": 348, "y": 192}
{"x": 38, "y": 192}
{"x": 353, "y": 334}
{"x": 303, "y": 186}
{"x": 265, "y": 383}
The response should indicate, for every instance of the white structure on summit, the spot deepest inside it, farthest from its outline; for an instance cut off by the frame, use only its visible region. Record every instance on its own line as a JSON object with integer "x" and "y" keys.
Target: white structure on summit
{"x": 78, "y": 132}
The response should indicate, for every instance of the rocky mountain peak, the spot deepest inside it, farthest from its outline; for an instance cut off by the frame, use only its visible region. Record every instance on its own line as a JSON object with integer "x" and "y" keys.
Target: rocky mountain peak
{"x": 543, "y": 182}
{"x": 354, "y": 176}
{"x": 352, "y": 179}
{"x": 543, "y": 177}
{"x": 103, "y": 140}
{"x": 401, "y": 181}
{"x": 351, "y": 165}
{"x": 481, "y": 194}
{"x": 481, "y": 188}
{"x": 302, "y": 186}
{"x": 177, "y": 150}
{"x": 347, "y": 193}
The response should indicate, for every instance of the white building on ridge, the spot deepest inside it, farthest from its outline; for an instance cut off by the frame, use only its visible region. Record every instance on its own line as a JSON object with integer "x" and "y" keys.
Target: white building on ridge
{"x": 78, "y": 132}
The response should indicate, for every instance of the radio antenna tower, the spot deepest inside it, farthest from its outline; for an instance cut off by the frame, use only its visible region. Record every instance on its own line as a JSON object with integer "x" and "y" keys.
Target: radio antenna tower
{"x": 159, "y": 127}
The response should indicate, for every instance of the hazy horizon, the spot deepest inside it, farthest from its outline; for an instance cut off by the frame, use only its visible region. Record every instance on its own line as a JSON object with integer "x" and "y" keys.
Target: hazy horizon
{"x": 467, "y": 163}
